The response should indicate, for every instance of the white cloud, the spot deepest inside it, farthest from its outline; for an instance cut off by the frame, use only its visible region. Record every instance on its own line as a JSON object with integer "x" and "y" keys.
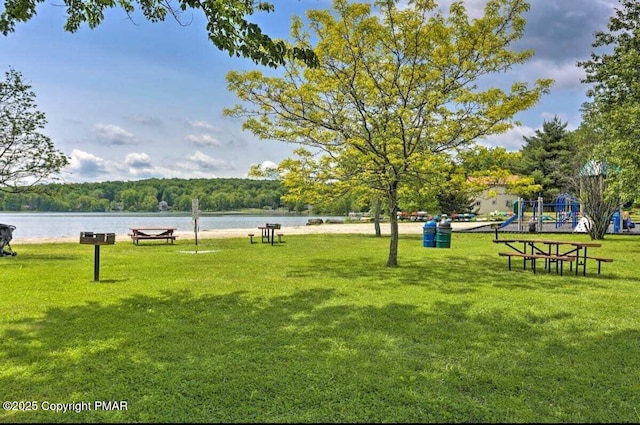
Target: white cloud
{"x": 138, "y": 162}
{"x": 203, "y": 125}
{"x": 512, "y": 140}
{"x": 113, "y": 135}
{"x": 135, "y": 159}
{"x": 145, "y": 120}
{"x": 86, "y": 166}
{"x": 267, "y": 165}
{"x": 566, "y": 75}
{"x": 203, "y": 140}
{"x": 200, "y": 162}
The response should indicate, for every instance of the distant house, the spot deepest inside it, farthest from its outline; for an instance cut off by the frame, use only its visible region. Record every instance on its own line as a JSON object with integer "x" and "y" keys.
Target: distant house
{"x": 495, "y": 197}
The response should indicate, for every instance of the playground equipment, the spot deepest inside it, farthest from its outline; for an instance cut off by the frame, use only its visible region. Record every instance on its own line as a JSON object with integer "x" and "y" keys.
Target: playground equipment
{"x": 520, "y": 207}
{"x": 567, "y": 210}
{"x": 565, "y": 207}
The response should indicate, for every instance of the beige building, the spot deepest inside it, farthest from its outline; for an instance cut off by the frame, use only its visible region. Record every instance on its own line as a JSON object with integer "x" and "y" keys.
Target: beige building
{"x": 495, "y": 198}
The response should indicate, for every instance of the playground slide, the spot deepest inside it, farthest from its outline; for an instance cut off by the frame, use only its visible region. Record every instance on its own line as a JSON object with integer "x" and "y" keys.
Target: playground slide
{"x": 509, "y": 221}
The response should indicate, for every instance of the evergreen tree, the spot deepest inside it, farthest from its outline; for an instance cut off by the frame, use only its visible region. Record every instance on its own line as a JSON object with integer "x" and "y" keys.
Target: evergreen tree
{"x": 546, "y": 157}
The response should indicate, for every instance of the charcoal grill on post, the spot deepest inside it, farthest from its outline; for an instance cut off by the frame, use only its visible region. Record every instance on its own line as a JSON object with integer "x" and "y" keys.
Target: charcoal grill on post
{"x": 270, "y": 227}
{"x": 97, "y": 239}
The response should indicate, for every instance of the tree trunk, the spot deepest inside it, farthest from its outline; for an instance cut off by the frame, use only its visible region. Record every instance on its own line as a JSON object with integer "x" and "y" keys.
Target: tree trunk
{"x": 393, "y": 223}
{"x": 377, "y": 205}
{"x": 596, "y": 231}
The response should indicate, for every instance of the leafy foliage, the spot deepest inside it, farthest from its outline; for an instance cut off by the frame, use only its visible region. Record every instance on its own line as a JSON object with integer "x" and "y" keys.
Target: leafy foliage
{"x": 615, "y": 74}
{"x": 478, "y": 158}
{"x": 614, "y": 112}
{"x": 227, "y": 24}
{"x": 27, "y": 156}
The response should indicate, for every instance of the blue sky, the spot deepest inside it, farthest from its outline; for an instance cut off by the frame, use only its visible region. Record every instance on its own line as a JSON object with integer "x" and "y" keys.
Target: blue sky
{"x": 132, "y": 100}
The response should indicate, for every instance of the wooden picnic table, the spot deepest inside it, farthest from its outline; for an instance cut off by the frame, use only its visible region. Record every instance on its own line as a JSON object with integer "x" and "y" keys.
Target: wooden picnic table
{"x": 553, "y": 252}
{"x": 145, "y": 233}
{"x": 268, "y": 231}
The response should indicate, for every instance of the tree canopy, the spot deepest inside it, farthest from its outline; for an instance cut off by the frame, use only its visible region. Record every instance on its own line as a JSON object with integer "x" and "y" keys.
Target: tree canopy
{"x": 394, "y": 88}
{"x": 228, "y": 26}
{"x": 614, "y": 112}
{"x": 27, "y": 156}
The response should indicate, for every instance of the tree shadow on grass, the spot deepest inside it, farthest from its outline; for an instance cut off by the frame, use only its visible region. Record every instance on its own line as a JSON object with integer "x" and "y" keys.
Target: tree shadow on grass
{"x": 453, "y": 274}
{"x": 23, "y": 258}
{"x": 307, "y": 357}
{"x": 110, "y": 281}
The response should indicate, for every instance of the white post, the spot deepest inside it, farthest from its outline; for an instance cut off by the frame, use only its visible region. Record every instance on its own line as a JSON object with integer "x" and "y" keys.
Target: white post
{"x": 195, "y": 212}
{"x": 540, "y": 211}
{"x": 520, "y": 214}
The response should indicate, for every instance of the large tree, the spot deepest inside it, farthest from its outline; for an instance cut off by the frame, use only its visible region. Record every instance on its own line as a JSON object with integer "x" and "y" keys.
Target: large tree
{"x": 27, "y": 156}
{"x": 394, "y": 87}
{"x": 613, "y": 71}
{"x": 228, "y": 26}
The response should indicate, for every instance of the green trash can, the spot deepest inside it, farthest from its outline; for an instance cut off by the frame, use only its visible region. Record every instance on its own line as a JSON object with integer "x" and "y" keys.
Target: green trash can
{"x": 443, "y": 235}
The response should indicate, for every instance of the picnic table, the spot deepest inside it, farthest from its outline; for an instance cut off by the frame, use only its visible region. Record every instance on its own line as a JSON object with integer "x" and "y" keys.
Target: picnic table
{"x": 146, "y": 233}
{"x": 552, "y": 252}
{"x": 268, "y": 232}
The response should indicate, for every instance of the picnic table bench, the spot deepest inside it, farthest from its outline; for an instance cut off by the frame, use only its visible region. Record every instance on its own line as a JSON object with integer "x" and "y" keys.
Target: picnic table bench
{"x": 550, "y": 251}
{"x": 549, "y": 259}
{"x": 148, "y": 233}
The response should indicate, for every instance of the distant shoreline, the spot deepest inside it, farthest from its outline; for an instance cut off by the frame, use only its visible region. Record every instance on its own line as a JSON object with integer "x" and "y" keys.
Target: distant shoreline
{"x": 405, "y": 228}
{"x": 257, "y": 212}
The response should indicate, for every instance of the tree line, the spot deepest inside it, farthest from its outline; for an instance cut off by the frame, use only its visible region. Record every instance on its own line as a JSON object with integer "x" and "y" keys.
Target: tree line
{"x": 220, "y": 194}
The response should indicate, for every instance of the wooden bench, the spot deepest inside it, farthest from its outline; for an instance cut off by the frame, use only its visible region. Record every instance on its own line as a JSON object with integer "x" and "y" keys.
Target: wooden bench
{"x": 139, "y": 234}
{"x": 600, "y": 260}
{"x": 136, "y": 238}
{"x": 549, "y": 259}
{"x": 251, "y": 235}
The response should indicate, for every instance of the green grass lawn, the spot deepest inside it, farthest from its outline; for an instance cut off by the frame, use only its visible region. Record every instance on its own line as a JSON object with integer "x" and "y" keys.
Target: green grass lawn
{"x": 317, "y": 329}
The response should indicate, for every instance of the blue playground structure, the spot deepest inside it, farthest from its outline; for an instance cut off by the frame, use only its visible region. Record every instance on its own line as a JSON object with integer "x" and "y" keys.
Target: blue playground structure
{"x": 565, "y": 208}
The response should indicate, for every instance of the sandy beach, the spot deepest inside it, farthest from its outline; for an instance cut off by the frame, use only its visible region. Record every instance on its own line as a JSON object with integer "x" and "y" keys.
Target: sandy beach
{"x": 408, "y": 228}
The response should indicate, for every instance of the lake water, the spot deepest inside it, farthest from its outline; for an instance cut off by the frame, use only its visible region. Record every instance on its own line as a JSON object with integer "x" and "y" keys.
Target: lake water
{"x": 60, "y": 225}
